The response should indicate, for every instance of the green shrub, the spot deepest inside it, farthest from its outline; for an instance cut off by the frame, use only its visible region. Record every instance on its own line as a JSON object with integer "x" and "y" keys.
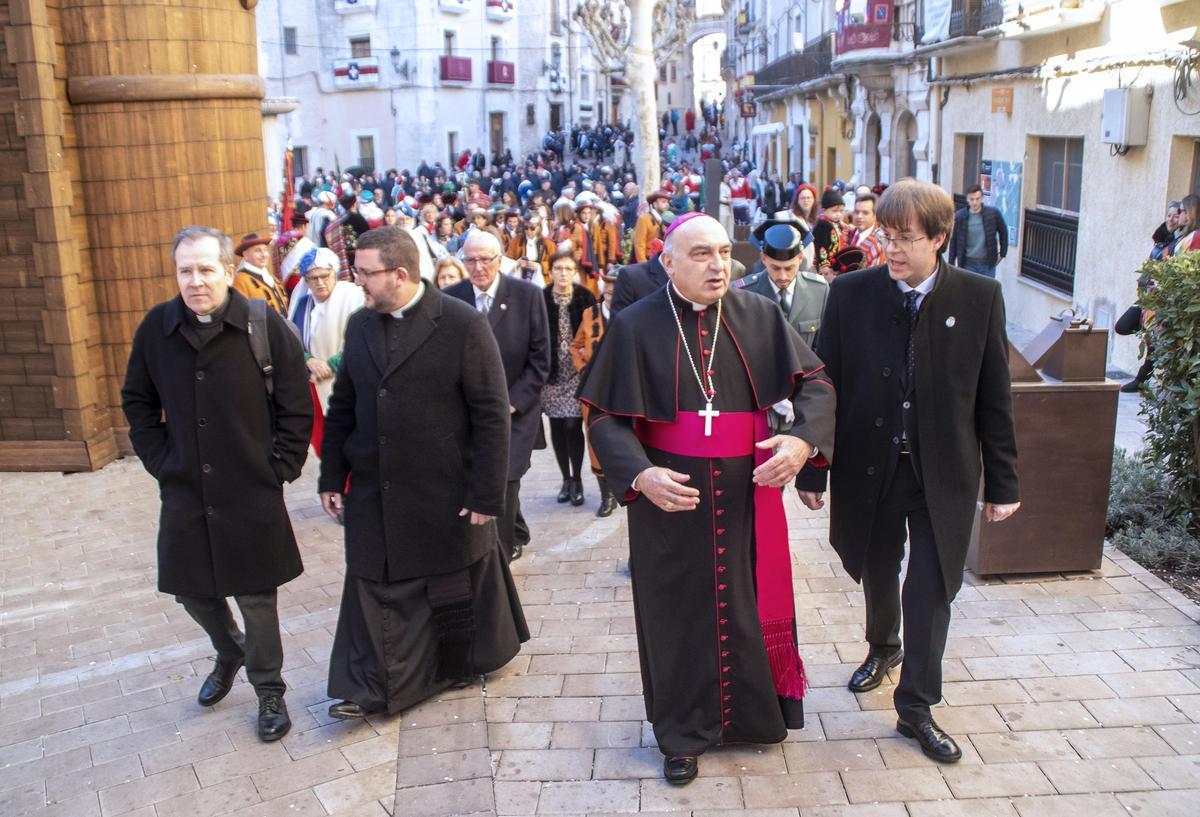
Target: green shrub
{"x": 1165, "y": 544}
{"x": 1136, "y": 494}
{"x": 1172, "y": 406}
{"x": 1141, "y": 523}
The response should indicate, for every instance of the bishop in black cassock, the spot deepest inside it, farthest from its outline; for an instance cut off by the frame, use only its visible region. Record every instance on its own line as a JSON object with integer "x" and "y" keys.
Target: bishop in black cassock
{"x": 711, "y": 573}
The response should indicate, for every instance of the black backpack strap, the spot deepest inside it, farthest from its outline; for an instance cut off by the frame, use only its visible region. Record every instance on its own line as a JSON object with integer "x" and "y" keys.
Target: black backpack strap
{"x": 260, "y": 343}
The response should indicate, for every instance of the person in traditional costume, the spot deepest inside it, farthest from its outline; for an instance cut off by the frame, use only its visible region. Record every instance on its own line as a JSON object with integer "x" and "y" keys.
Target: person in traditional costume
{"x": 592, "y": 243}
{"x": 418, "y": 424}
{"x": 827, "y": 231}
{"x": 321, "y": 308}
{"x": 532, "y": 251}
{"x": 321, "y": 216}
{"x": 650, "y": 224}
{"x": 678, "y": 395}
{"x": 253, "y": 278}
{"x": 583, "y": 347}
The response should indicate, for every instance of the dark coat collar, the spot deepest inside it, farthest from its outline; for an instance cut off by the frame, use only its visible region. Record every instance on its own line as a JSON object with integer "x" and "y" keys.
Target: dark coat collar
{"x": 421, "y": 320}
{"x": 236, "y": 315}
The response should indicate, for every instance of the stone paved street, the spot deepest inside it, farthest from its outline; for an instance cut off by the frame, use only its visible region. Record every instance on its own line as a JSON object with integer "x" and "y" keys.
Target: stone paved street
{"x": 1073, "y": 696}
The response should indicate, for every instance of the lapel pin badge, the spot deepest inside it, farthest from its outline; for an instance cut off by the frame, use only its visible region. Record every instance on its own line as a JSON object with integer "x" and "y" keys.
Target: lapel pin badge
{"x": 503, "y": 307}
{"x": 950, "y": 321}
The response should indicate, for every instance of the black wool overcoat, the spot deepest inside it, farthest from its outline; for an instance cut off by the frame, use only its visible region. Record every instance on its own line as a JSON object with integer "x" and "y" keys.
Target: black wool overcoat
{"x": 521, "y": 328}
{"x": 204, "y": 427}
{"x": 963, "y": 403}
{"x": 419, "y": 435}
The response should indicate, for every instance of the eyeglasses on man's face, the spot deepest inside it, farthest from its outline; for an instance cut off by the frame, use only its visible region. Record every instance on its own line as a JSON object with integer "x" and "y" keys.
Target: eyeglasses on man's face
{"x": 480, "y": 260}
{"x": 904, "y": 243}
{"x": 363, "y": 274}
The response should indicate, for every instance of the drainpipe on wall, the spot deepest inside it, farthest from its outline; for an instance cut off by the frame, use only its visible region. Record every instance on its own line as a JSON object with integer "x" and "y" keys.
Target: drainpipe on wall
{"x": 935, "y": 120}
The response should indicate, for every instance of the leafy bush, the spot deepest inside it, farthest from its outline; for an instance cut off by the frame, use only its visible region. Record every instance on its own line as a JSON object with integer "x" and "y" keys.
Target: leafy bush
{"x": 1172, "y": 407}
{"x": 1136, "y": 495}
{"x": 1141, "y": 523}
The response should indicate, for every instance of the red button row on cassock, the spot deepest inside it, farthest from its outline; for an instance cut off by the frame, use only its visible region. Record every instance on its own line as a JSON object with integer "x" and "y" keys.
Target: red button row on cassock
{"x": 722, "y": 622}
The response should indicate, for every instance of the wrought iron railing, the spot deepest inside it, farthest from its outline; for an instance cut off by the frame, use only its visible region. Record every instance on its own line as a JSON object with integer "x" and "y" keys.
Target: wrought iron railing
{"x": 969, "y": 17}
{"x": 1048, "y": 249}
{"x": 799, "y": 66}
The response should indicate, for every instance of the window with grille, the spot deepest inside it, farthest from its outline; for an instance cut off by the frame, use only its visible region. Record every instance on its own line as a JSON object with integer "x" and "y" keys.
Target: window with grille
{"x": 289, "y": 40}
{"x": 360, "y": 47}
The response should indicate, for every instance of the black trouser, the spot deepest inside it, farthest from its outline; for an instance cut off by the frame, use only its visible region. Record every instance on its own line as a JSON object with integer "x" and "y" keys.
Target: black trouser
{"x": 566, "y": 436}
{"x": 512, "y": 527}
{"x": 261, "y": 646}
{"x": 925, "y": 604}
{"x": 1130, "y": 323}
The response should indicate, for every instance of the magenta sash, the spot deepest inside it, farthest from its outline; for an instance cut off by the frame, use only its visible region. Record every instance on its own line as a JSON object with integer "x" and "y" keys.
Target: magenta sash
{"x": 735, "y": 434}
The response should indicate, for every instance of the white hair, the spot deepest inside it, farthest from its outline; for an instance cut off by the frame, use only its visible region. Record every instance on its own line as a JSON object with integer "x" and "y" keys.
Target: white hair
{"x": 484, "y": 237}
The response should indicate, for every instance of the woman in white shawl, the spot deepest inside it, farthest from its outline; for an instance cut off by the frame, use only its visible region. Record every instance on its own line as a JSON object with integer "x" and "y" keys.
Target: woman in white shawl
{"x": 321, "y": 307}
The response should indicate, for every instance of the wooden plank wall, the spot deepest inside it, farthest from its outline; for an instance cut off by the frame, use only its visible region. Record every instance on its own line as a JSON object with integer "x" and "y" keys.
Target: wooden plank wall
{"x": 93, "y": 191}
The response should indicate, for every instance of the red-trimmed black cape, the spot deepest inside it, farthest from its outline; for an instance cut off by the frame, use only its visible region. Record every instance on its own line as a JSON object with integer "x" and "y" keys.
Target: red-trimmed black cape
{"x": 706, "y": 674}
{"x": 635, "y": 374}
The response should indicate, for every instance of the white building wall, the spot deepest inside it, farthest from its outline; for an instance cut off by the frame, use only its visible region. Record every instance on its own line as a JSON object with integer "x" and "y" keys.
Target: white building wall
{"x": 1122, "y": 198}
{"x": 412, "y": 117}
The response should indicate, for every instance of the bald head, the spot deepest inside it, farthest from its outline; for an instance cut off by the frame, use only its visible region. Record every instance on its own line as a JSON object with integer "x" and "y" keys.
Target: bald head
{"x": 696, "y": 255}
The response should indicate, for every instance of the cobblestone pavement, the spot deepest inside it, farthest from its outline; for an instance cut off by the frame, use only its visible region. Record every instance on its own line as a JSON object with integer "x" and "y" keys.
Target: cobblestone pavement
{"x": 1072, "y": 695}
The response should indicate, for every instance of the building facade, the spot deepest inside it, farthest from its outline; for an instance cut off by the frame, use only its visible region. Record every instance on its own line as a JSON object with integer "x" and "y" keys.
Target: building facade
{"x": 1065, "y": 110}
{"x": 386, "y": 84}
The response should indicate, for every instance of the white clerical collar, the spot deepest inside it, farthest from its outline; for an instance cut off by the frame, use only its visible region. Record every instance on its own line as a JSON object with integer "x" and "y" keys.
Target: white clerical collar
{"x": 695, "y": 306}
{"x": 491, "y": 291}
{"x": 399, "y": 313}
{"x": 204, "y": 318}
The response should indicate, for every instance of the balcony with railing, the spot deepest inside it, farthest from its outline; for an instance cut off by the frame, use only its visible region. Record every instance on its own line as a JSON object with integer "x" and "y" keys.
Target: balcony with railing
{"x": 501, "y": 73}
{"x": 352, "y": 6}
{"x": 454, "y": 69}
{"x": 808, "y": 64}
{"x": 1048, "y": 249}
{"x": 1018, "y": 19}
{"x": 969, "y": 17}
{"x": 871, "y": 30}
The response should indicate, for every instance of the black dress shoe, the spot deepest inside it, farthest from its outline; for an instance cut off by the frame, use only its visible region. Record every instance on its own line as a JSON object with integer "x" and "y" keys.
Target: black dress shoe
{"x": 565, "y": 494}
{"x": 348, "y": 710}
{"x": 515, "y": 553}
{"x": 273, "y": 720}
{"x": 934, "y": 742}
{"x": 680, "y": 769}
{"x": 1132, "y": 387}
{"x": 871, "y": 672}
{"x": 608, "y": 504}
{"x": 576, "y": 492}
{"x": 218, "y": 683}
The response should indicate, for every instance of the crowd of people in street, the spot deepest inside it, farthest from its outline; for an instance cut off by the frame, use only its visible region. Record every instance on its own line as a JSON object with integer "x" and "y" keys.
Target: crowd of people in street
{"x": 412, "y": 331}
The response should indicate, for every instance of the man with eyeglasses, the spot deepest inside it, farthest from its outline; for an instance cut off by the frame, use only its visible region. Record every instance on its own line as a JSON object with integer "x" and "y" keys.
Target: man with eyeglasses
{"x": 221, "y": 440}
{"x": 516, "y": 311}
{"x": 418, "y": 430}
{"x": 918, "y": 353}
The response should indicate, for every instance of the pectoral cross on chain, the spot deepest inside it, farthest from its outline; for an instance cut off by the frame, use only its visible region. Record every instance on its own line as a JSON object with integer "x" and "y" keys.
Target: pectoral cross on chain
{"x": 708, "y": 414}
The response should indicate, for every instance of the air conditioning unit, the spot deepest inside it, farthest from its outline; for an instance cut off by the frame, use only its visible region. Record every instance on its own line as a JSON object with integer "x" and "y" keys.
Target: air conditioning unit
{"x": 1125, "y": 117}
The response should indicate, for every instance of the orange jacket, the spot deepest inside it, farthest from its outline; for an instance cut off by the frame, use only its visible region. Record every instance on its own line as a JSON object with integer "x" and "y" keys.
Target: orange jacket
{"x": 648, "y": 228}
{"x": 516, "y": 251}
{"x": 251, "y": 286}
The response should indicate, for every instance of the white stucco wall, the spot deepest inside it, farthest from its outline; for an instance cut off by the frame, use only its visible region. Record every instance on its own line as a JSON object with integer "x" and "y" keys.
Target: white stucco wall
{"x": 1122, "y": 197}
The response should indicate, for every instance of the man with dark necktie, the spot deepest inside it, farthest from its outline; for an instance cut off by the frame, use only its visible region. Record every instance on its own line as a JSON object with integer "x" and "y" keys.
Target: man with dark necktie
{"x": 918, "y": 353}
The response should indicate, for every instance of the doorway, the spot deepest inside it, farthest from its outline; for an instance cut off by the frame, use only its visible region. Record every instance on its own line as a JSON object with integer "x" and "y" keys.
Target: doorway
{"x": 496, "y": 132}
{"x": 873, "y": 136}
{"x": 555, "y": 116}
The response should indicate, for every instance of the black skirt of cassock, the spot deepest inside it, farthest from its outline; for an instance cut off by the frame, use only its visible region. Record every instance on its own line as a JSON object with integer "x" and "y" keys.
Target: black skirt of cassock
{"x": 385, "y": 650}
{"x": 705, "y": 674}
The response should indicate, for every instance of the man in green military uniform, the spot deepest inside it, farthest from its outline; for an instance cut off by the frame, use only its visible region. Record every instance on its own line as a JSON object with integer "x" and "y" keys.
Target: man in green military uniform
{"x": 788, "y": 280}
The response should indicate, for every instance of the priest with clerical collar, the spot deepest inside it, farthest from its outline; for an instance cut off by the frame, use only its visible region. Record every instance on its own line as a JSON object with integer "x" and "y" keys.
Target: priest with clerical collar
{"x": 679, "y": 393}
